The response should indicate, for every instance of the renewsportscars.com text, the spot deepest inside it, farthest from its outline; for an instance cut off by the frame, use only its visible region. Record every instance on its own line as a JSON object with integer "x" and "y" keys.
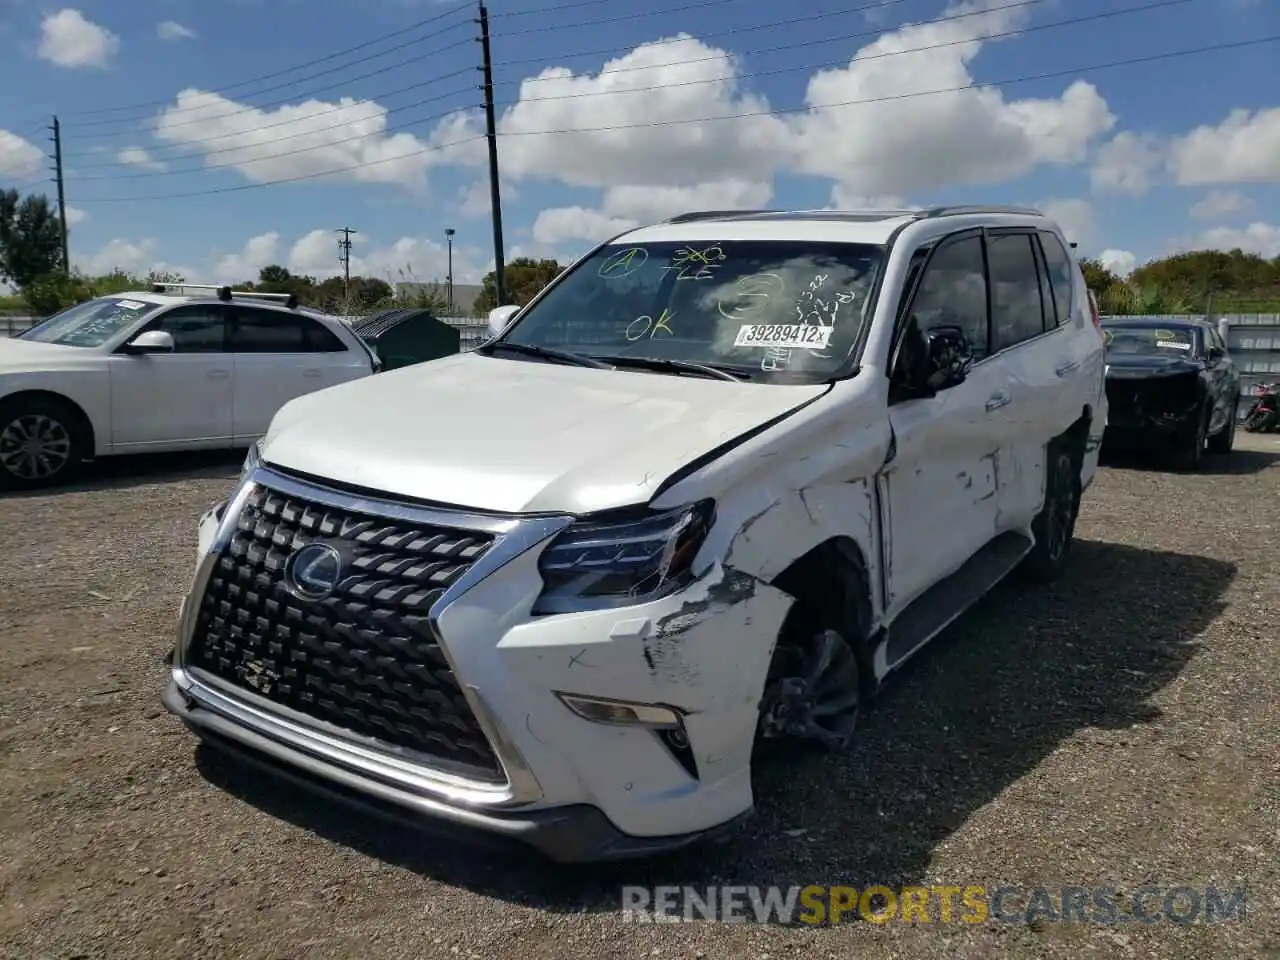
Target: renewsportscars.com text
{"x": 820, "y": 904}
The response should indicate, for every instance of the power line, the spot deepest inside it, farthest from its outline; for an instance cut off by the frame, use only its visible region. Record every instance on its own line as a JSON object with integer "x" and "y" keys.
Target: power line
{"x": 189, "y": 144}
{"x": 455, "y": 9}
{"x": 181, "y": 111}
{"x": 1156, "y": 5}
{"x": 1012, "y": 81}
{"x": 660, "y": 12}
{"x": 734, "y": 31}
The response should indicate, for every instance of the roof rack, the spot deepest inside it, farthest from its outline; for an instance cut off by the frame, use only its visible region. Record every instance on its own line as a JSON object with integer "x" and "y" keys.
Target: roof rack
{"x": 225, "y": 293}
{"x": 715, "y": 215}
{"x": 961, "y": 210}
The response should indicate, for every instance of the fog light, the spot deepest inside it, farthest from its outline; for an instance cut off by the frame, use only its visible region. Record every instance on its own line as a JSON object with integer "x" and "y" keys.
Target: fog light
{"x": 622, "y": 713}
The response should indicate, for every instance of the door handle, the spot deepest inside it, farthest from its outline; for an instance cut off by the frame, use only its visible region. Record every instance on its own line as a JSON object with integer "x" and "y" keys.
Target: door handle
{"x": 1065, "y": 367}
{"x": 219, "y": 374}
{"x": 997, "y": 400}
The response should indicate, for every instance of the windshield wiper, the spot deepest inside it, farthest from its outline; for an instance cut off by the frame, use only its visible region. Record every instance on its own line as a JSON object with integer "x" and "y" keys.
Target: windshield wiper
{"x": 686, "y": 366}
{"x": 547, "y": 353}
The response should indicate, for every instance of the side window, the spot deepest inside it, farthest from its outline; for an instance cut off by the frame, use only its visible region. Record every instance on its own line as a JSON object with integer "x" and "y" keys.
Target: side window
{"x": 1016, "y": 311}
{"x": 319, "y": 339}
{"x": 953, "y": 293}
{"x": 1061, "y": 277}
{"x": 1046, "y": 291}
{"x": 908, "y": 284}
{"x": 267, "y": 331}
{"x": 195, "y": 329}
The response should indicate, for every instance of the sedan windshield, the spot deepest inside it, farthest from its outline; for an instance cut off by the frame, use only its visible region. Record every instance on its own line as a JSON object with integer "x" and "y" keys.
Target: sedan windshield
{"x": 1150, "y": 341}
{"x": 787, "y": 309}
{"x": 89, "y": 324}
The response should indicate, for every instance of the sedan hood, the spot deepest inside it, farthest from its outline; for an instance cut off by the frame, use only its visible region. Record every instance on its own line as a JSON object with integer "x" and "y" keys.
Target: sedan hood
{"x": 514, "y": 436}
{"x": 1142, "y": 366}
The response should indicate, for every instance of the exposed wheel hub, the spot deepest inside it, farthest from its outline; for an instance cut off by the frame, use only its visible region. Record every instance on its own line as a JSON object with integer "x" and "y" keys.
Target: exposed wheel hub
{"x": 820, "y": 702}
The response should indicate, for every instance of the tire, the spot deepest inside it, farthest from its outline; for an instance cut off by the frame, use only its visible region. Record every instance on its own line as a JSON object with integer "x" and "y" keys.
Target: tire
{"x": 64, "y": 445}
{"x": 1223, "y": 441}
{"x": 842, "y": 620}
{"x": 1055, "y": 525}
{"x": 1189, "y": 453}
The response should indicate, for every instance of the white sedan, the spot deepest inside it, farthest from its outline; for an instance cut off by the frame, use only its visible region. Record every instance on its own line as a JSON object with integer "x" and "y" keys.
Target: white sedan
{"x": 154, "y": 372}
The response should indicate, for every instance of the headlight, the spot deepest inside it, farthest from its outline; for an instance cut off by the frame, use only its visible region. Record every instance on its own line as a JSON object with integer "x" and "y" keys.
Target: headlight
{"x": 601, "y": 564}
{"x": 251, "y": 460}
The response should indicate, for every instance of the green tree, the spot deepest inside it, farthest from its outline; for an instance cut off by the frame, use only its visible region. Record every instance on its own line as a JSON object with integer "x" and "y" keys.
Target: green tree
{"x": 1097, "y": 277}
{"x": 274, "y": 279}
{"x": 30, "y": 238}
{"x": 524, "y": 277}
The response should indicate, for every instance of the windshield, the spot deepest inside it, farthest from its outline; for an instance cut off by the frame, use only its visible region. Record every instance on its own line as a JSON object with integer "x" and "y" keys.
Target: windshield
{"x": 89, "y": 324}
{"x": 783, "y": 308}
{"x": 1150, "y": 341}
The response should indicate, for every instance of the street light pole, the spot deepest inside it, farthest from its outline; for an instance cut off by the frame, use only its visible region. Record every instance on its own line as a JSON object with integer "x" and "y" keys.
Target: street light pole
{"x": 448, "y": 236}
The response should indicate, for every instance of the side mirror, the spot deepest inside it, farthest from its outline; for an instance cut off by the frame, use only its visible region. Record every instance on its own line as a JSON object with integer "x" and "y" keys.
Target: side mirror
{"x": 500, "y": 317}
{"x": 153, "y": 341}
{"x": 948, "y": 354}
{"x": 1213, "y": 354}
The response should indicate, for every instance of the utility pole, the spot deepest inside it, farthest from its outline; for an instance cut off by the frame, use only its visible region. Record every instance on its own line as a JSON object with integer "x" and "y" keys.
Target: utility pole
{"x": 344, "y": 258}
{"x": 448, "y": 237}
{"x": 62, "y": 196}
{"x": 491, "y": 134}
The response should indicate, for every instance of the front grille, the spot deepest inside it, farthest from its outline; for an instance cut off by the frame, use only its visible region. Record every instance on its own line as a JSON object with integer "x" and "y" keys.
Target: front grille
{"x": 1135, "y": 401}
{"x": 363, "y": 659}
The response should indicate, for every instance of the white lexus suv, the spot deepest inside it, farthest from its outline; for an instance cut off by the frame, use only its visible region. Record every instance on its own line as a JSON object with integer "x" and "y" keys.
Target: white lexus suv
{"x": 161, "y": 370}
{"x": 709, "y": 489}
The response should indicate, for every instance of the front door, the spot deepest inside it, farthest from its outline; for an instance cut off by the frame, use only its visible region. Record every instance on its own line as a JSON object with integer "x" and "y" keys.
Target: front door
{"x": 940, "y": 483}
{"x": 179, "y": 399}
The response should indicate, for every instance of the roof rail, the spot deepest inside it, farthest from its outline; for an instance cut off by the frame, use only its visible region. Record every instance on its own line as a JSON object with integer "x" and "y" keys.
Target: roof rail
{"x": 714, "y": 215}
{"x": 961, "y": 210}
{"x": 225, "y": 293}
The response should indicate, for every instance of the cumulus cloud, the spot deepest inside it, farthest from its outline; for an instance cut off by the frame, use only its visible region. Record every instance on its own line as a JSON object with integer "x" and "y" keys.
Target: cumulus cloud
{"x": 1220, "y": 204}
{"x": 137, "y": 257}
{"x": 139, "y": 157}
{"x": 907, "y": 143}
{"x": 649, "y": 98}
{"x": 1260, "y": 238}
{"x": 75, "y": 215}
{"x": 19, "y": 158}
{"x": 1243, "y": 148}
{"x": 69, "y": 40}
{"x": 258, "y": 252}
{"x": 1127, "y": 164}
{"x": 1120, "y": 262}
{"x": 349, "y": 137}
{"x": 416, "y": 259}
{"x": 172, "y": 30}
{"x": 629, "y": 205}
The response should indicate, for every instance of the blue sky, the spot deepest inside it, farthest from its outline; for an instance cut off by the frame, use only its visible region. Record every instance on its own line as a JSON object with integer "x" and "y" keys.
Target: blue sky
{"x": 843, "y": 106}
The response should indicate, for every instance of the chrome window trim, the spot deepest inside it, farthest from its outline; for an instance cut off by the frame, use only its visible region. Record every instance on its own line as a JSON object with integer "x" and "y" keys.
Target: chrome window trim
{"x": 513, "y": 536}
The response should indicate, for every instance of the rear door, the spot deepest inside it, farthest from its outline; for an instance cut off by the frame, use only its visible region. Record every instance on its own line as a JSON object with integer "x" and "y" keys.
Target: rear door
{"x": 184, "y": 398}
{"x": 280, "y": 355}
{"x": 1039, "y": 360}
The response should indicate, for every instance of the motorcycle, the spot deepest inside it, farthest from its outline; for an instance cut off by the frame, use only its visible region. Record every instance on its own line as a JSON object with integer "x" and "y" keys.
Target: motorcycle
{"x": 1264, "y": 416}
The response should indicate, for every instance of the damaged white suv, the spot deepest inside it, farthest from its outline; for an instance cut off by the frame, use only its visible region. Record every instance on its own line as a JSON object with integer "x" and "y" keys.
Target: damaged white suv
{"x": 710, "y": 487}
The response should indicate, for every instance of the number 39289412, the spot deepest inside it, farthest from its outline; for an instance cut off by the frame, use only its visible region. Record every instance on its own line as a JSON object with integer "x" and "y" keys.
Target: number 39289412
{"x": 810, "y": 336}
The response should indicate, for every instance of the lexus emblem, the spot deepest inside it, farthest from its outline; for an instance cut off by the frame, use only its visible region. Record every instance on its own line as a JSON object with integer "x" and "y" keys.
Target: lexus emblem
{"x": 313, "y": 571}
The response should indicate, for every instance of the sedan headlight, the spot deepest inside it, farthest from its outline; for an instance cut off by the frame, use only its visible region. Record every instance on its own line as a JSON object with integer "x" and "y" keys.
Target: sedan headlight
{"x": 601, "y": 564}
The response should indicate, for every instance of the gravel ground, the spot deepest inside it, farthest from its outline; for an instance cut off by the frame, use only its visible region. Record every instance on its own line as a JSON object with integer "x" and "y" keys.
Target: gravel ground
{"x": 1120, "y": 728}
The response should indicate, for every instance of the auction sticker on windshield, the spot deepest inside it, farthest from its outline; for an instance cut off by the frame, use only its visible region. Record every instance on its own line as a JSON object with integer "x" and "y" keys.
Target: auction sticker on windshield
{"x": 807, "y": 336}
{"x": 130, "y": 304}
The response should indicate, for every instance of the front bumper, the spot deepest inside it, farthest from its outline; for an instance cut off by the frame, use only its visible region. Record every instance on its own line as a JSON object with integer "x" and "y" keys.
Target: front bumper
{"x": 576, "y": 789}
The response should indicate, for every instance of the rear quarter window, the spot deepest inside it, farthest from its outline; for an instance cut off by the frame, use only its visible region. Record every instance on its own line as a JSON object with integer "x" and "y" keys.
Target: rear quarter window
{"x": 1061, "y": 275}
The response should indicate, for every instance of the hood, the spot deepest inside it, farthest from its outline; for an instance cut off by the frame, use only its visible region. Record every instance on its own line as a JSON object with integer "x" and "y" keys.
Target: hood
{"x": 18, "y": 356}
{"x": 517, "y": 436}
{"x": 1131, "y": 366}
